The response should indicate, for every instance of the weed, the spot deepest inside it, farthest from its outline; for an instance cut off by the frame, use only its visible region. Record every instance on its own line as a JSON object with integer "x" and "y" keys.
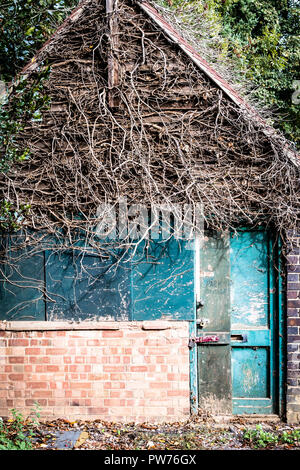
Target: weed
{"x": 260, "y": 438}
{"x": 290, "y": 437}
{"x": 17, "y": 433}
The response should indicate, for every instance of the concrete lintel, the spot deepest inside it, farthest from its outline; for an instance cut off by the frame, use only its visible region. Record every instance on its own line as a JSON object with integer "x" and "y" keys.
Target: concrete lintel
{"x": 58, "y": 325}
{"x": 88, "y": 325}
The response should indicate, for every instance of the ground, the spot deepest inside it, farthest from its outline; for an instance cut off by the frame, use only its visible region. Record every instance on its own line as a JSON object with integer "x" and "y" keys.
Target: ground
{"x": 196, "y": 434}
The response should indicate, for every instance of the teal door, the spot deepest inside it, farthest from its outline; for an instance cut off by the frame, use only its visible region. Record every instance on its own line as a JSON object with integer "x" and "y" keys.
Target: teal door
{"x": 237, "y": 371}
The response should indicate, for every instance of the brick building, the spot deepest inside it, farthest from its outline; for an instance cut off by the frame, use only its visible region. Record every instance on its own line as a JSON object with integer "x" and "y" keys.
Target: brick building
{"x": 166, "y": 326}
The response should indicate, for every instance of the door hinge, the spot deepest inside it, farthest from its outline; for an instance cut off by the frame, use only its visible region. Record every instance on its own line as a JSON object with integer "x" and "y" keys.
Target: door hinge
{"x": 199, "y": 304}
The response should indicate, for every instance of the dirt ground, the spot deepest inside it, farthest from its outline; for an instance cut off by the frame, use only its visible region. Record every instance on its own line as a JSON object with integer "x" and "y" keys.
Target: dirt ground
{"x": 196, "y": 434}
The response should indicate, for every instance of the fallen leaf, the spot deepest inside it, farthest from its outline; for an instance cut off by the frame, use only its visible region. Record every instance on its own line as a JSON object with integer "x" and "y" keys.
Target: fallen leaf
{"x": 82, "y": 438}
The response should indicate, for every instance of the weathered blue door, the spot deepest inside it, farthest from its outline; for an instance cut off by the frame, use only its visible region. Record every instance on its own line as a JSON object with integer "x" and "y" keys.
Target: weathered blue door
{"x": 252, "y": 339}
{"x": 237, "y": 371}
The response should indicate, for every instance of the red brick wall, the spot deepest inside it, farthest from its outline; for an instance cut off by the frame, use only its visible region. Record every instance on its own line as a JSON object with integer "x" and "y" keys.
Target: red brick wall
{"x": 293, "y": 332}
{"x": 130, "y": 373}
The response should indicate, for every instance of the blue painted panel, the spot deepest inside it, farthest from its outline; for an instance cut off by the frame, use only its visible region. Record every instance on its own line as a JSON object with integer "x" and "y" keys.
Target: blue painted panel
{"x": 251, "y": 338}
{"x": 86, "y": 287}
{"x": 260, "y": 406}
{"x": 249, "y": 279}
{"x": 163, "y": 281}
{"x": 21, "y": 282}
{"x": 251, "y": 377}
{"x": 161, "y": 284}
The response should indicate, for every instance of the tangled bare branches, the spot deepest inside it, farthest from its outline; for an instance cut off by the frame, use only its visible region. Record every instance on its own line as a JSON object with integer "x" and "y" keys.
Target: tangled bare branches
{"x": 160, "y": 133}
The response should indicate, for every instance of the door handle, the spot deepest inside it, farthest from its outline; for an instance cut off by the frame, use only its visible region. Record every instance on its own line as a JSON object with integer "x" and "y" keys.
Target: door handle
{"x": 209, "y": 339}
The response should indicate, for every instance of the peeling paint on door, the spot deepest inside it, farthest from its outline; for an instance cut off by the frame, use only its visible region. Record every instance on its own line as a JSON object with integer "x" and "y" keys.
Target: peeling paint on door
{"x": 236, "y": 374}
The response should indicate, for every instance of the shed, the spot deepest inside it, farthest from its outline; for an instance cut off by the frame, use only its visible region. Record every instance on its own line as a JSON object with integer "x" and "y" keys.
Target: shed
{"x": 147, "y": 281}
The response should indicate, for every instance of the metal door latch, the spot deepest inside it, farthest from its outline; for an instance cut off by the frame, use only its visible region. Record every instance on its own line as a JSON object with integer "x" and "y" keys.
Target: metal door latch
{"x": 202, "y": 322}
{"x": 202, "y": 339}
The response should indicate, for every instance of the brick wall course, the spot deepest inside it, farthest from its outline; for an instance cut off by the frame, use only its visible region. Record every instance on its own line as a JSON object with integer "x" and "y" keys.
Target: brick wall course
{"x": 293, "y": 333}
{"x": 129, "y": 374}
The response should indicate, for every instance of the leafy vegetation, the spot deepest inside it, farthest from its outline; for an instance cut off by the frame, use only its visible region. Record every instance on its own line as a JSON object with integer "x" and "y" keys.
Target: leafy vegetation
{"x": 259, "y": 438}
{"x": 25, "y": 25}
{"x": 262, "y": 39}
{"x": 17, "y": 433}
{"x": 25, "y": 103}
{"x": 11, "y": 217}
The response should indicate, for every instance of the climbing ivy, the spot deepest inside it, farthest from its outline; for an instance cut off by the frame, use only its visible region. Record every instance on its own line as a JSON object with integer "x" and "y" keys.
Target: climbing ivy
{"x": 262, "y": 37}
{"x": 12, "y": 217}
{"x": 25, "y": 25}
{"x": 23, "y": 103}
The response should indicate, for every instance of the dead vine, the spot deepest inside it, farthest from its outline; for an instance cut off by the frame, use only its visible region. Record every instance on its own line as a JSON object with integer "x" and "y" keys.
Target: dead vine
{"x": 171, "y": 138}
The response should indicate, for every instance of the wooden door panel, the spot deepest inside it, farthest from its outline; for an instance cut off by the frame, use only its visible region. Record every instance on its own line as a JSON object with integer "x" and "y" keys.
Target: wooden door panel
{"x": 214, "y": 360}
{"x": 235, "y": 285}
{"x": 251, "y": 377}
{"x": 215, "y": 382}
{"x": 249, "y": 280}
{"x": 252, "y": 373}
{"x": 215, "y": 284}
